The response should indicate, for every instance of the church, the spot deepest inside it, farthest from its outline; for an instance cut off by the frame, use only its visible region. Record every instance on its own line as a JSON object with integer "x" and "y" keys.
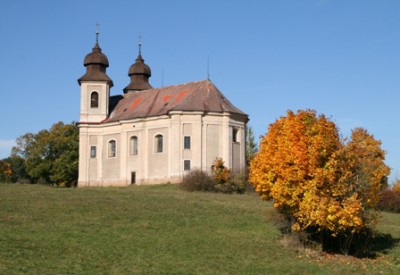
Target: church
{"x": 153, "y": 135}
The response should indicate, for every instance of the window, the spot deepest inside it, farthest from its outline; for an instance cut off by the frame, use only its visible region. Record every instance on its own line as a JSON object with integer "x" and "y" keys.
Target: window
{"x": 159, "y": 143}
{"x": 92, "y": 151}
{"x": 186, "y": 165}
{"x": 134, "y": 146}
{"x": 112, "y": 148}
{"x": 235, "y": 135}
{"x": 94, "y": 100}
{"x": 186, "y": 143}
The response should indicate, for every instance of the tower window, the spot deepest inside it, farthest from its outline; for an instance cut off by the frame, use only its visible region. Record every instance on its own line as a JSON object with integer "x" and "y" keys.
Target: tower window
{"x": 235, "y": 133}
{"x": 134, "y": 146}
{"x": 186, "y": 143}
{"x": 92, "y": 151}
{"x": 112, "y": 146}
{"x": 159, "y": 144}
{"x": 186, "y": 165}
{"x": 94, "y": 100}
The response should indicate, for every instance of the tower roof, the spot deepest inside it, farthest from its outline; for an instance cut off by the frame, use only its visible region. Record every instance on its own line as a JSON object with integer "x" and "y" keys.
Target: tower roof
{"x": 139, "y": 67}
{"x": 139, "y": 72}
{"x": 96, "y": 63}
{"x": 96, "y": 57}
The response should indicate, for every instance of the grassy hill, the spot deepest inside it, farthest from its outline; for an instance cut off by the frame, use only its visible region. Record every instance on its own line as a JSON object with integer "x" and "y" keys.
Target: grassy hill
{"x": 158, "y": 229}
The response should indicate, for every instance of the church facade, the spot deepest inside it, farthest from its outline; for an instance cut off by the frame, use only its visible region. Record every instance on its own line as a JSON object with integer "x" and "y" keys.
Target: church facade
{"x": 153, "y": 135}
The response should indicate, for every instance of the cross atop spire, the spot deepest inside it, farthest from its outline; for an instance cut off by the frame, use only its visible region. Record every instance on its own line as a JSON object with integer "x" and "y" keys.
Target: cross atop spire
{"x": 97, "y": 32}
{"x": 140, "y": 44}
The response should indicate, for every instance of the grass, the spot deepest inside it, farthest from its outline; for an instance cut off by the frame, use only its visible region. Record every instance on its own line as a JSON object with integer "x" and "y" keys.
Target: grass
{"x": 158, "y": 229}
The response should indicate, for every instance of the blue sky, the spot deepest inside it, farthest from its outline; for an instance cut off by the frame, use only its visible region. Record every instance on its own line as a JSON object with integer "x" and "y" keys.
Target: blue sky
{"x": 338, "y": 57}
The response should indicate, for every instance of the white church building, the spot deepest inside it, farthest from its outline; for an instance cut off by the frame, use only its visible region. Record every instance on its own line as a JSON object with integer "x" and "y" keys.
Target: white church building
{"x": 153, "y": 135}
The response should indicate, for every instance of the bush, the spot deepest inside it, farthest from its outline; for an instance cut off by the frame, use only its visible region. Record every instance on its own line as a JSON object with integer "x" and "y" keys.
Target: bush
{"x": 43, "y": 181}
{"x": 197, "y": 180}
{"x": 389, "y": 201}
{"x": 235, "y": 184}
{"x": 24, "y": 181}
{"x": 396, "y": 186}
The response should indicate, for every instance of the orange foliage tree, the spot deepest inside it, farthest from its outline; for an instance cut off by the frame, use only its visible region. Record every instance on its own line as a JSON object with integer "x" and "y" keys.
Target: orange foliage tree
{"x": 220, "y": 173}
{"x": 316, "y": 180}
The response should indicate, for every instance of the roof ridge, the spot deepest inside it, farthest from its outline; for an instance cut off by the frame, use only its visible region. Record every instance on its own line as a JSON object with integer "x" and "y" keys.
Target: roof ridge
{"x": 177, "y": 85}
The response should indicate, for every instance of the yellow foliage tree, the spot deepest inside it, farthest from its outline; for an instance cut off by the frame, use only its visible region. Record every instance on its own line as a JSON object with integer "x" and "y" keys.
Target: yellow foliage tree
{"x": 220, "y": 173}
{"x": 314, "y": 179}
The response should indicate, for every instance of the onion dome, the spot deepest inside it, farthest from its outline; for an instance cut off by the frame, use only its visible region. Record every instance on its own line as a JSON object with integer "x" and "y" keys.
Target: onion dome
{"x": 96, "y": 63}
{"x": 96, "y": 57}
{"x": 139, "y": 73}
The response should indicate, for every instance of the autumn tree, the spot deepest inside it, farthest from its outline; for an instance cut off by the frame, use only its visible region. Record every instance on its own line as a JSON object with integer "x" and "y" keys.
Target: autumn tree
{"x": 317, "y": 181}
{"x": 362, "y": 170}
{"x": 50, "y": 155}
{"x": 220, "y": 173}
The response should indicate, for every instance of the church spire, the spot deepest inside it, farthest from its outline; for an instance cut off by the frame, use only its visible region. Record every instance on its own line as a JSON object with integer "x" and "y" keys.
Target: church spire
{"x": 139, "y": 73}
{"x": 96, "y": 64}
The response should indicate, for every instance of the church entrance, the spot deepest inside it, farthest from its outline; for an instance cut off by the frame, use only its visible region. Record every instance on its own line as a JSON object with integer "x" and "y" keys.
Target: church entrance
{"x": 133, "y": 177}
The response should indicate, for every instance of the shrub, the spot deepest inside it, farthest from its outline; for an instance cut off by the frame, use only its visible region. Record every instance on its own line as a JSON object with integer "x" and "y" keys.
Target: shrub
{"x": 24, "y": 181}
{"x": 396, "y": 186}
{"x": 389, "y": 201}
{"x": 235, "y": 184}
{"x": 43, "y": 181}
{"x": 220, "y": 180}
{"x": 198, "y": 180}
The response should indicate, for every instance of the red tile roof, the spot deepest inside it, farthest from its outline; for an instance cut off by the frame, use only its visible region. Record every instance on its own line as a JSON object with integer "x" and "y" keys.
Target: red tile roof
{"x": 201, "y": 96}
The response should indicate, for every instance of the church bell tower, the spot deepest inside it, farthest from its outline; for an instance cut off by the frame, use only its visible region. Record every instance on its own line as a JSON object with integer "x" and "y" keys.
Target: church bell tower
{"x": 95, "y": 86}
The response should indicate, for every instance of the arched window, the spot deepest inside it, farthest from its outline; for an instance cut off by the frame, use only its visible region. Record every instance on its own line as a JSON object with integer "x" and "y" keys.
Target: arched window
{"x": 235, "y": 135}
{"x": 94, "y": 100}
{"x": 112, "y": 146}
{"x": 159, "y": 143}
{"x": 134, "y": 145}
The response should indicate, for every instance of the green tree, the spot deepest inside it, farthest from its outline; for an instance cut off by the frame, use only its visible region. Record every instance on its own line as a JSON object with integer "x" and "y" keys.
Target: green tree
{"x": 51, "y": 156}
{"x": 251, "y": 145}
{"x": 18, "y": 169}
{"x": 5, "y": 172}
